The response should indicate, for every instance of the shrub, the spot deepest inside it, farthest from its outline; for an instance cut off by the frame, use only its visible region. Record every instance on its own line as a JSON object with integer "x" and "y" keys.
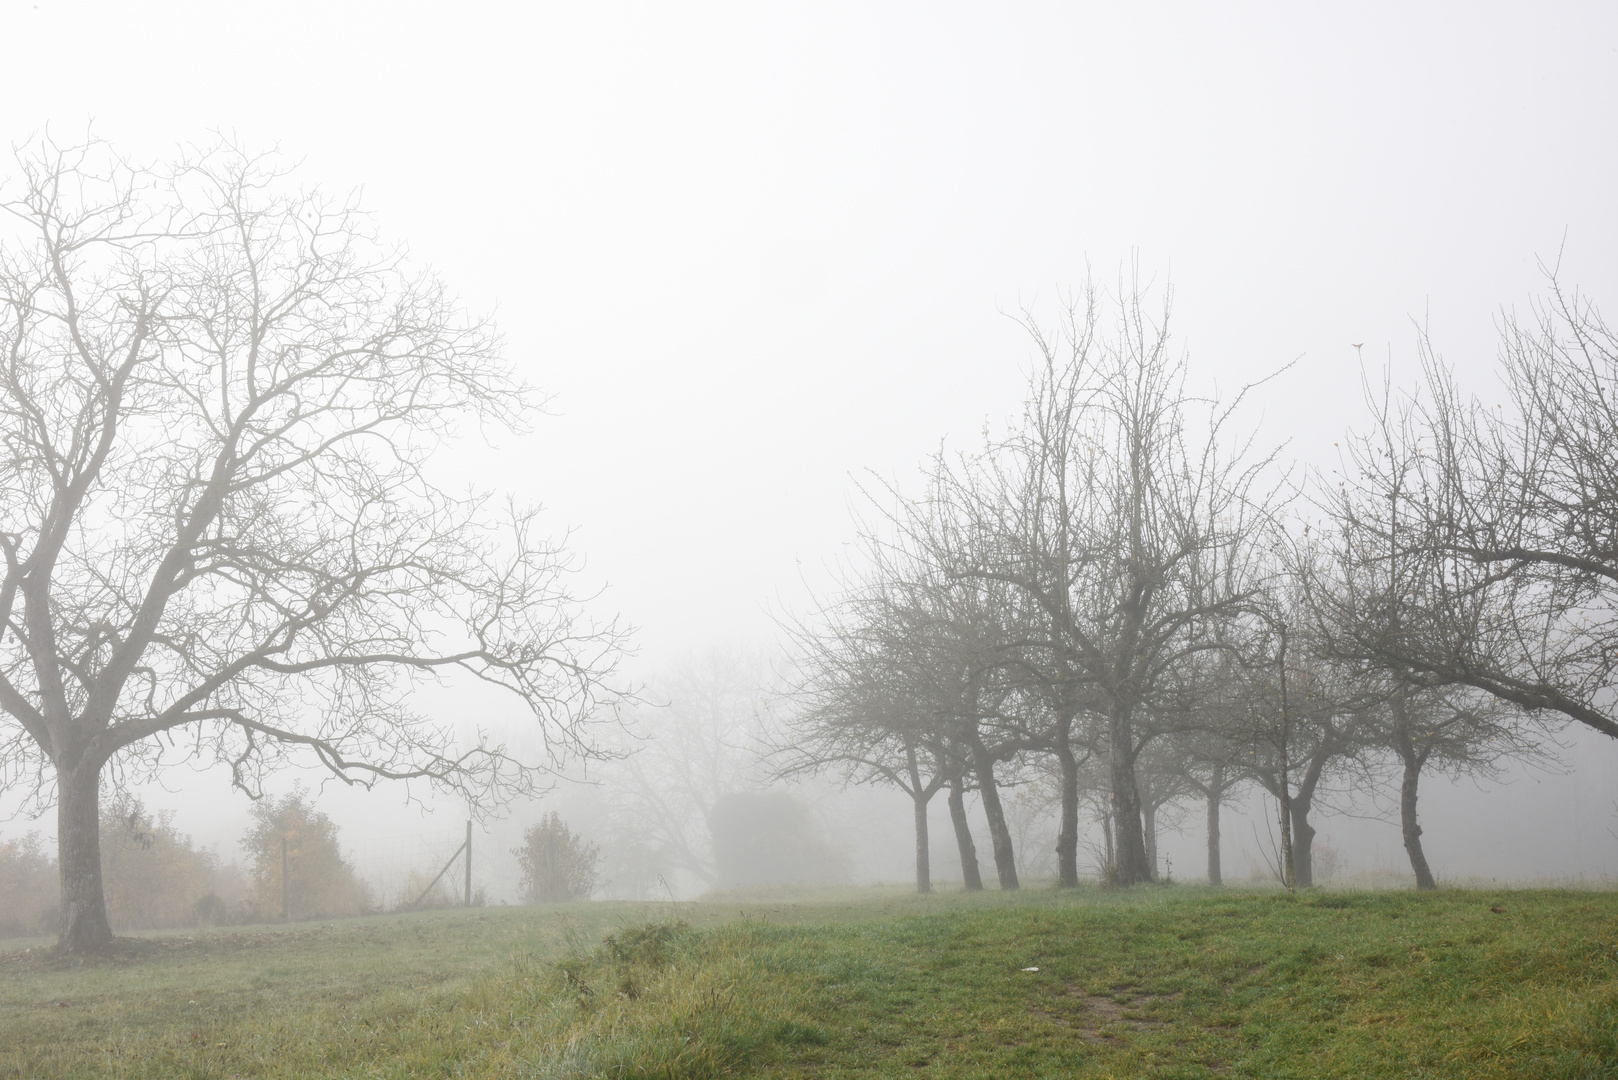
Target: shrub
{"x": 28, "y": 887}
{"x": 557, "y": 866}
{"x": 319, "y": 882}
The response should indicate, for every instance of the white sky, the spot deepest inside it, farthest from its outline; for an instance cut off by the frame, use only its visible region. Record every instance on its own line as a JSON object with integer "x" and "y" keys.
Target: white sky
{"x": 754, "y": 248}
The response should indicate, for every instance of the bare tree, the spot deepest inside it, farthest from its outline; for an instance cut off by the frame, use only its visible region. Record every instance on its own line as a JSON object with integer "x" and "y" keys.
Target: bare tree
{"x": 699, "y": 738}
{"x": 218, "y": 395}
{"x": 1126, "y": 521}
{"x": 1509, "y": 512}
{"x": 864, "y": 707}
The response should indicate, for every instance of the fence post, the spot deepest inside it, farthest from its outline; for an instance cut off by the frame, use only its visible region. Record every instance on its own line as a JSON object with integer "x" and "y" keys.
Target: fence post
{"x": 468, "y": 893}
{"x": 283, "y": 879}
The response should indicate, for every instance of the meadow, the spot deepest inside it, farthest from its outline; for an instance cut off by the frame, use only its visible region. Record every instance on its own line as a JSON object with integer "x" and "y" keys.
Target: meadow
{"x": 1170, "y": 982}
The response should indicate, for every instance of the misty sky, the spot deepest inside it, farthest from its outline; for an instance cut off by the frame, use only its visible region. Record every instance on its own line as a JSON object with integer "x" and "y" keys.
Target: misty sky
{"x": 754, "y": 248}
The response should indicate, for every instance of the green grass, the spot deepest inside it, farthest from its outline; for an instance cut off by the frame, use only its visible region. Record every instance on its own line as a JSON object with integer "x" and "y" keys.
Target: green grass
{"x": 1162, "y": 982}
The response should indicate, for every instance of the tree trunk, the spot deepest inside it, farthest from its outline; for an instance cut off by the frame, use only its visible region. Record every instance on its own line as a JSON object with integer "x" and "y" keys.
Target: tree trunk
{"x": 83, "y": 925}
{"x": 924, "y": 872}
{"x": 1407, "y": 821}
{"x": 1215, "y": 791}
{"x": 1148, "y": 817}
{"x": 1005, "y": 864}
{"x": 1303, "y": 844}
{"x": 1109, "y": 873}
{"x": 1067, "y": 840}
{"x": 1132, "y": 866}
{"x": 971, "y": 879}
{"x": 920, "y": 796}
{"x": 1405, "y": 747}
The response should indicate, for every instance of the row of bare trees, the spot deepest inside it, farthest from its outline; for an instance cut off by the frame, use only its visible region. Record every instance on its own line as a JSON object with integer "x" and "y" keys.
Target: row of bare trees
{"x": 1122, "y": 592}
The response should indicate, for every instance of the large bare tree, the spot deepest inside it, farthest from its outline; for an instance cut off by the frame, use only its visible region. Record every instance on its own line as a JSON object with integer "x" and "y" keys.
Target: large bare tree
{"x": 1125, "y": 513}
{"x": 218, "y": 398}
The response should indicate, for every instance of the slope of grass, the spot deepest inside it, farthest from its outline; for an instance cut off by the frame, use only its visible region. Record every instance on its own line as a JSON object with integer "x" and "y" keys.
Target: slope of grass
{"x": 1176, "y": 982}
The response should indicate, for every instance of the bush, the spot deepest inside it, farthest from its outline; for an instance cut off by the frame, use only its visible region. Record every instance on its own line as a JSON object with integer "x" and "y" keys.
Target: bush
{"x": 28, "y": 888}
{"x": 152, "y": 874}
{"x": 557, "y": 866}
{"x": 320, "y": 883}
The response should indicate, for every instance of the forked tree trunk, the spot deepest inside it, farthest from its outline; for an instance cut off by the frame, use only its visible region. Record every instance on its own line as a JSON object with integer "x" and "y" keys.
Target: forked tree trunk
{"x": 1215, "y": 790}
{"x": 1130, "y": 838}
{"x": 1005, "y": 864}
{"x": 920, "y": 795}
{"x": 83, "y": 925}
{"x": 924, "y": 871}
{"x": 971, "y": 878}
{"x": 1067, "y": 839}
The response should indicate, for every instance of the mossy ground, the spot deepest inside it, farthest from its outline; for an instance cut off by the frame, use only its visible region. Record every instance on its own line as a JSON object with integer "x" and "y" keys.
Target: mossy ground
{"x": 1161, "y": 982}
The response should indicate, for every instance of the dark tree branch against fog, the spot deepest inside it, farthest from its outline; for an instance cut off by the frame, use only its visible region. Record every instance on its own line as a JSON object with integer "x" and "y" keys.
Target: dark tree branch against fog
{"x": 1511, "y": 512}
{"x": 218, "y": 396}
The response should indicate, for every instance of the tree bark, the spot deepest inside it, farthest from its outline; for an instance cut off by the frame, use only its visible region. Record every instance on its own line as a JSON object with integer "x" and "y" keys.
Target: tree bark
{"x": 920, "y": 796}
{"x": 1109, "y": 873}
{"x": 1215, "y": 792}
{"x": 1412, "y": 830}
{"x": 1405, "y": 747}
{"x": 1303, "y": 844}
{"x": 924, "y": 879}
{"x": 1148, "y": 819}
{"x": 1067, "y": 840}
{"x": 971, "y": 878}
{"x": 83, "y": 926}
{"x": 1005, "y": 864}
{"x": 1130, "y": 838}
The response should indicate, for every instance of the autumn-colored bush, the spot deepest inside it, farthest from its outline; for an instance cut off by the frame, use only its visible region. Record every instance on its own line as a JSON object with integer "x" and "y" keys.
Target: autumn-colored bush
{"x": 152, "y": 874}
{"x": 319, "y": 882}
{"x": 28, "y": 887}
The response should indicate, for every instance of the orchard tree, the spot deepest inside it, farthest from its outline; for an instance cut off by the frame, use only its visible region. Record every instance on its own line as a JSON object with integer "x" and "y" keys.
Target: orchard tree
{"x": 218, "y": 397}
{"x": 1507, "y": 512}
{"x": 1121, "y": 509}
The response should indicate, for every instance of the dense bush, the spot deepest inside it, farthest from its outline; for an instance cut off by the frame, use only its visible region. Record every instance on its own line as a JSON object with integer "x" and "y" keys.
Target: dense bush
{"x": 557, "y": 865}
{"x": 28, "y": 887}
{"x": 319, "y": 881}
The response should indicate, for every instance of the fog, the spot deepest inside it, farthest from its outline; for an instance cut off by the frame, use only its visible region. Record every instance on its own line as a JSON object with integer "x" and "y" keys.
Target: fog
{"x": 757, "y": 255}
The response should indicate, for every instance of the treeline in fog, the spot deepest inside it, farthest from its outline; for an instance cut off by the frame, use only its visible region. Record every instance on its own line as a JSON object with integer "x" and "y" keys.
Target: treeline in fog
{"x": 1123, "y": 596}
{"x": 154, "y": 876}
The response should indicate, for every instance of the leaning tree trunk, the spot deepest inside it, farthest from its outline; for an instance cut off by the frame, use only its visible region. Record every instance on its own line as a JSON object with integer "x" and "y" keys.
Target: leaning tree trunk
{"x": 1216, "y": 789}
{"x": 924, "y": 879}
{"x": 1005, "y": 864}
{"x": 971, "y": 878}
{"x": 1130, "y": 838}
{"x": 1408, "y": 822}
{"x": 1405, "y": 747}
{"x": 1067, "y": 840}
{"x": 83, "y": 926}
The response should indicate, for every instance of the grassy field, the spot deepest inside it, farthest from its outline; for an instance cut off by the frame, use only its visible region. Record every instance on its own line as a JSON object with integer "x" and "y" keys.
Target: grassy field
{"x": 1174, "y": 982}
